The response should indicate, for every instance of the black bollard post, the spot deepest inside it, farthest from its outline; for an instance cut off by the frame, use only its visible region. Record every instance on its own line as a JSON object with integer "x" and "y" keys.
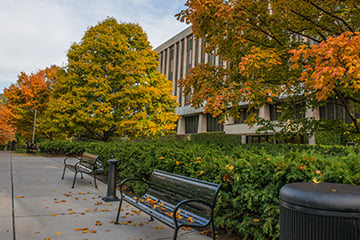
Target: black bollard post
{"x": 111, "y": 190}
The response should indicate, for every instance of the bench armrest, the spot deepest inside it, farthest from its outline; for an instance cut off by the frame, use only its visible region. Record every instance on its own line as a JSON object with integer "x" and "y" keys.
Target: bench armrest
{"x": 128, "y": 180}
{"x": 186, "y": 201}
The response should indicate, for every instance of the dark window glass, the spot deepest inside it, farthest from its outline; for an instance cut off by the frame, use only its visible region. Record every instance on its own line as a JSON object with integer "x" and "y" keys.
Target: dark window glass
{"x": 171, "y": 65}
{"x": 275, "y": 112}
{"x": 330, "y": 111}
{"x": 196, "y": 52}
{"x": 213, "y": 124}
{"x": 244, "y": 114}
{"x": 202, "y": 52}
{"x": 189, "y": 53}
{"x": 191, "y": 124}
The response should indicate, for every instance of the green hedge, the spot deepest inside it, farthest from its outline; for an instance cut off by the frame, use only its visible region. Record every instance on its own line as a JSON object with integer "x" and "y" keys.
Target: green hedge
{"x": 216, "y": 138}
{"x": 251, "y": 175}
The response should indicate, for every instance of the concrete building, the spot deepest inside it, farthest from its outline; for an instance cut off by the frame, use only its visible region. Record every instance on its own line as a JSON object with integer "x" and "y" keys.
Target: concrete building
{"x": 182, "y": 52}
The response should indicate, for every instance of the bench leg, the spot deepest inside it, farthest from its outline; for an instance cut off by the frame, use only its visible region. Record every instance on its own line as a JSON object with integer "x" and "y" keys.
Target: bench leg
{"x": 213, "y": 229}
{"x": 63, "y": 172}
{"x": 74, "y": 179}
{"x": 175, "y": 233}
{"x": 95, "y": 180}
{"x": 82, "y": 176}
{"x": 118, "y": 212}
{"x": 151, "y": 219}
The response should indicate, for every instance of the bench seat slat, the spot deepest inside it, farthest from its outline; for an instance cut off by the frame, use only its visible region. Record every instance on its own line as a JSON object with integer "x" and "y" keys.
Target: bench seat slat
{"x": 165, "y": 211}
{"x": 167, "y": 192}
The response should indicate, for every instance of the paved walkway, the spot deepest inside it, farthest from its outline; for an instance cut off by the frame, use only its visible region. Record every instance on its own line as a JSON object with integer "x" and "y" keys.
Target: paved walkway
{"x": 35, "y": 204}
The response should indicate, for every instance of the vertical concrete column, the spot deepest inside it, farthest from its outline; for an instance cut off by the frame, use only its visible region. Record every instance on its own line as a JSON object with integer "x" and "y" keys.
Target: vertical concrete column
{"x": 217, "y": 60}
{"x": 229, "y": 120}
{"x": 312, "y": 113}
{"x": 158, "y": 68}
{"x": 243, "y": 139}
{"x": 202, "y": 125}
{"x": 264, "y": 112}
{"x": 181, "y": 126}
{"x": 163, "y": 61}
{"x": 206, "y": 60}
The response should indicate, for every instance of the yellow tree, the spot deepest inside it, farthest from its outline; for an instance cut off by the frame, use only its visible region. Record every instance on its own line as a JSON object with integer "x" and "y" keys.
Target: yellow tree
{"x": 112, "y": 87}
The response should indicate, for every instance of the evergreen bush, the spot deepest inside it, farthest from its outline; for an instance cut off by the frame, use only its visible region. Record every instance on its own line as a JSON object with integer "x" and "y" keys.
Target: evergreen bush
{"x": 251, "y": 175}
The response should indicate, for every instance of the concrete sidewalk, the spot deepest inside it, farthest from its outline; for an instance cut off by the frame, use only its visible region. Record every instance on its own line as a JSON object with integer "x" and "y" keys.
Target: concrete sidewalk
{"x": 35, "y": 204}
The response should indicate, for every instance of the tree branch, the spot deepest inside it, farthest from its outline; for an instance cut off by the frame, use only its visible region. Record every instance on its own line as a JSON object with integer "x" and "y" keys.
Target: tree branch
{"x": 332, "y": 15}
{"x": 312, "y": 22}
{"x": 303, "y": 35}
{"x": 347, "y": 109}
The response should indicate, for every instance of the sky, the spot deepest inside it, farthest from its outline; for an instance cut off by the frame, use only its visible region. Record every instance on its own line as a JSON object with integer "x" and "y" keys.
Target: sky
{"x": 35, "y": 34}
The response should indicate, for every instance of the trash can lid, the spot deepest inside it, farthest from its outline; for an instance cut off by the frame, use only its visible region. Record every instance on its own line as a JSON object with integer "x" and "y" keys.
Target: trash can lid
{"x": 324, "y": 196}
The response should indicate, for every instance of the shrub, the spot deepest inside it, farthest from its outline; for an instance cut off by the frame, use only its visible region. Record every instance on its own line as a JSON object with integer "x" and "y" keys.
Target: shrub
{"x": 251, "y": 175}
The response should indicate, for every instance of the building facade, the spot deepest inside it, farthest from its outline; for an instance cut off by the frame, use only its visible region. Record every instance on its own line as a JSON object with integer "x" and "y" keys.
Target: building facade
{"x": 176, "y": 57}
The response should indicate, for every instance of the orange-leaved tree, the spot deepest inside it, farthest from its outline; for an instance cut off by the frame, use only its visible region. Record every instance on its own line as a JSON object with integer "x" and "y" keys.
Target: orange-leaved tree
{"x": 112, "y": 87}
{"x": 7, "y": 133}
{"x": 29, "y": 93}
{"x": 255, "y": 38}
{"x": 331, "y": 70}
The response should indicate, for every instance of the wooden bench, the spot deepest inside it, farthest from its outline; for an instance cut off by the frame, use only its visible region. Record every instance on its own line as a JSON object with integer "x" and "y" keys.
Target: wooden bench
{"x": 175, "y": 200}
{"x": 85, "y": 163}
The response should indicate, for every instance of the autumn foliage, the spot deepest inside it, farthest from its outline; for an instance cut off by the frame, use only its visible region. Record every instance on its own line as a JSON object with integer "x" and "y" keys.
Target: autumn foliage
{"x": 112, "y": 87}
{"x": 29, "y": 93}
{"x": 279, "y": 52}
{"x": 7, "y": 133}
{"x": 331, "y": 70}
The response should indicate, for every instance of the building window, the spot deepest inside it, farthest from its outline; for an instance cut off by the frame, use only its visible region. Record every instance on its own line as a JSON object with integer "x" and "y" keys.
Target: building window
{"x": 202, "y": 51}
{"x": 270, "y": 139}
{"x": 189, "y": 53}
{"x": 172, "y": 64}
{"x": 191, "y": 124}
{"x": 212, "y": 58}
{"x": 196, "y": 52}
{"x": 244, "y": 114}
{"x": 333, "y": 111}
{"x": 259, "y": 139}
{"x": 165, "y": 61}
{"x": 161, "y": 61}
{"x": 213, "y": 124}
{"x": 182, "y": 56}
{"x": 298, "y": 111}
{"x": 176, "y": 69}
{"x": 275, "y": 112}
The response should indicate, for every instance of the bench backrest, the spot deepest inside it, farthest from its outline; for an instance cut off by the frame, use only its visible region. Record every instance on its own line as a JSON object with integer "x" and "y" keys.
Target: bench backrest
{"x": 174, "y": 188}
{"x": 90, "y": 160}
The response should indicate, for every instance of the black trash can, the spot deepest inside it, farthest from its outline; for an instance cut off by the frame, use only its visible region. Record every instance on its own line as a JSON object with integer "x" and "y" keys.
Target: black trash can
{"x": 323, "y": 211}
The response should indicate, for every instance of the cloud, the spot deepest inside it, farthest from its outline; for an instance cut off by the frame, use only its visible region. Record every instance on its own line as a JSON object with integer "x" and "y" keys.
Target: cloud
{"x": 38, "y": 33}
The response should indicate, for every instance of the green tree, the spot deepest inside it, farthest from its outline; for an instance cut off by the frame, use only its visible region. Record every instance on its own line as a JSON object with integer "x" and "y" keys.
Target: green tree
{"x": 112, "y": 87}
{"x": 256, "y": 37}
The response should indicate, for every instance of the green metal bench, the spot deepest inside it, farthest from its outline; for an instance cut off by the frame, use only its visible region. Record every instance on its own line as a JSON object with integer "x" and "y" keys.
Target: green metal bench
{"x": 175, "y": 200}
{"x": 85, "y": 163}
